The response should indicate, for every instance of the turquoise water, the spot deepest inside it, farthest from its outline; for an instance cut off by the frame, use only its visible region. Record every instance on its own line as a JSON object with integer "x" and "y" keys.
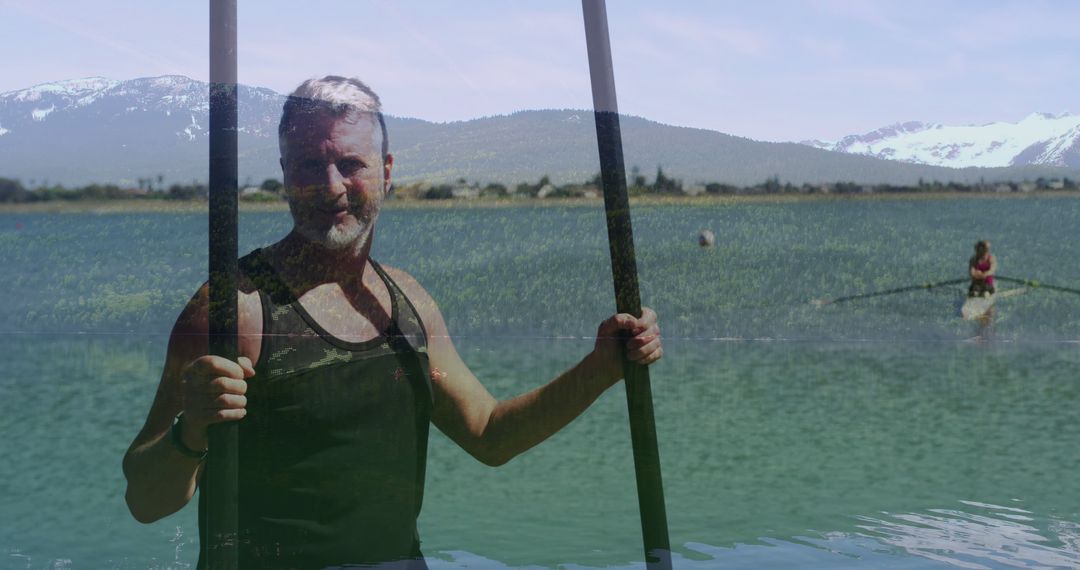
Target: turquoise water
{"x": 873, "y": 434}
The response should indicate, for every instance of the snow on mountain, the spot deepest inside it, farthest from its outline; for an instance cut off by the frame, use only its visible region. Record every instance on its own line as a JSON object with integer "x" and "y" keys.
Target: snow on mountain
{"x": 177, "y": 100}
{"x": 72, "y": 89}
{"x": 40, "y": 114}
{"x": 102, "y": 129}
{"x": 1038, "y": 139}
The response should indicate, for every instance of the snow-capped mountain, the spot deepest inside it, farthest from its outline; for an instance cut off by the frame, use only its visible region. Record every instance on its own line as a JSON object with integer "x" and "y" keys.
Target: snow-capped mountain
{"x": 97, "y": 129}
{"x": 1038, "y": 139}
{"x": 108, "y": 99}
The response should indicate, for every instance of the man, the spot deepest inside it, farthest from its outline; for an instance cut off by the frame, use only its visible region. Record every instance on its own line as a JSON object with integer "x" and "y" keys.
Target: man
{"x": 982, "y": 266}
{"x": 343, "y": 364}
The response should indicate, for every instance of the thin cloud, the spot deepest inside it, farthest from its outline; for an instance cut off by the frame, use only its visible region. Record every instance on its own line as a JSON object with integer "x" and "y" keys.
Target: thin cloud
{"x": 872, "y": 14}
{"x": 707, "y": 36}
{"x": 60, "y": 19}
{"x": 390, "y": 9}
{"x": 1011, "y": 25}
{"x": 829, "y": 48}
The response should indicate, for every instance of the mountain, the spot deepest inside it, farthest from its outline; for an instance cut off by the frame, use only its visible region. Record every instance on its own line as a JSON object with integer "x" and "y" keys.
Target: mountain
{"x": 101, "y": 130}
{"x": 1040, "y": 139}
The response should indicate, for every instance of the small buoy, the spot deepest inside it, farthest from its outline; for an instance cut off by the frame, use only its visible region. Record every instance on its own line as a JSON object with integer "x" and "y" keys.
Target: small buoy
{"x": 18, "y": 225}
{"x": 706, "y": 238}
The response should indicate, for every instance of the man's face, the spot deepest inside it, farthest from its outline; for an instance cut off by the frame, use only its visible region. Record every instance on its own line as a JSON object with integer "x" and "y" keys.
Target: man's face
{"x": 335, "y": 179}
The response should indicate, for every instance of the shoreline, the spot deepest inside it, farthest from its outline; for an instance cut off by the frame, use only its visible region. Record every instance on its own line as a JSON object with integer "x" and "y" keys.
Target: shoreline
{"x": 184, "y": 207}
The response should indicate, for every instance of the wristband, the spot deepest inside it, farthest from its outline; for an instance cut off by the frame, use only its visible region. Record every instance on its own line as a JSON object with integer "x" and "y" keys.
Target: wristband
{"x": 178, "y": 440}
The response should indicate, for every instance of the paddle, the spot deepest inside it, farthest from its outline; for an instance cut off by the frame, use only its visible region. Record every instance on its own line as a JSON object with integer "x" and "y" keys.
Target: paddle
{"x": 1035, "y": 283}
{"x": 929, "y": 285}
{"x": 218, "y": 490}
{"x": 1011, "y": 293}
{"x": 624, "y": 271}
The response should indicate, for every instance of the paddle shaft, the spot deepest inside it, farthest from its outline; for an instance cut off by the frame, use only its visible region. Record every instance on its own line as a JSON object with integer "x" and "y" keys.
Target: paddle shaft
{"x": 219, "y": 542}
{"x": 930, "y": 285}
{"x": 1035, "y": 283}
{"x": 627, "y": 296}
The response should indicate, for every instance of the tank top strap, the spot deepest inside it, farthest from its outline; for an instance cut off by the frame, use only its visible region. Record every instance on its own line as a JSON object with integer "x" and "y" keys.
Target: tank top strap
{"x": 257, "y": 272}
{"x": 406, "y": 318}
{"x": 409, "y": 334}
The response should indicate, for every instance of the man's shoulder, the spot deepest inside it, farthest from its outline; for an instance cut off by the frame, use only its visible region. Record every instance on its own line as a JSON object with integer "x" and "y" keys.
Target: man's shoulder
{"x": 406, "y": 282}
{"x": 419, "y": 297}
{"x": 194, "y": 318}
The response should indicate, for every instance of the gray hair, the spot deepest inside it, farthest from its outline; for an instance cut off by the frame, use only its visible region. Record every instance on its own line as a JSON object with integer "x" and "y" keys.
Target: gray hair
{"x": 340, "y": 97}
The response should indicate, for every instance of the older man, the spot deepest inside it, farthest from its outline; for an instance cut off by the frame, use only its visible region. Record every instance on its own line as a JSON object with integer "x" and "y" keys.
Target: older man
{"x": 344, "y": 364}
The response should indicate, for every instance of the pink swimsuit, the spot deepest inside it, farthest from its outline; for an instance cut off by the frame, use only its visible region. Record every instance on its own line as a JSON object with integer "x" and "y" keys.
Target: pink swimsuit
{"x": 985, "y": 266}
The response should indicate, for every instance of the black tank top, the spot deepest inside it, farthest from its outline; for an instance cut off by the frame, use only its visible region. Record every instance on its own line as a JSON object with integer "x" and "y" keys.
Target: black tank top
{"x": 333, "y": 448}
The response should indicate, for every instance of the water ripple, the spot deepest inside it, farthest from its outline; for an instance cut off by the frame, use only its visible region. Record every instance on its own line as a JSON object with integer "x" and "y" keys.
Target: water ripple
{"x": 994, "y": 536}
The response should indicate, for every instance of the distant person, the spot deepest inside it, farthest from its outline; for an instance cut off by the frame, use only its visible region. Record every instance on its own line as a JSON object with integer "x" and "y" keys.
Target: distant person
{"x": 706, "y": 238}
{"x": 982, "y": 268}
{"x": 343, "y": 364}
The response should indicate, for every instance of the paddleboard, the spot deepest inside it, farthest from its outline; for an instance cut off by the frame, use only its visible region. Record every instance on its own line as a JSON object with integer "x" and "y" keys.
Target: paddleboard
{"x": 976, "y": 307}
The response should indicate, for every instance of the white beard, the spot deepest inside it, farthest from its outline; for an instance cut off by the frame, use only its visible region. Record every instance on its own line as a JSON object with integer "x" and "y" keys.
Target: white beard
{"x": 338, "y": 237}
{"x": 354, "y": 235}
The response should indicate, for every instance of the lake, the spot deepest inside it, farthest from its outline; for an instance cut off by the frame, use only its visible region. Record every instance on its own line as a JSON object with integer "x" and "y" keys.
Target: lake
{"x": 879, "y": 433}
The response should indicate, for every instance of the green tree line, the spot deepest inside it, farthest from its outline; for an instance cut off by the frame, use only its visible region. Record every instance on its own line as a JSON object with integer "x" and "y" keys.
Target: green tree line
{"x": 13, "y": 191}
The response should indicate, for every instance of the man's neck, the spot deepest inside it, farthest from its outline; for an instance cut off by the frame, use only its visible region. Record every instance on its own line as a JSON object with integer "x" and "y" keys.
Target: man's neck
{"x": 305, "y": 264}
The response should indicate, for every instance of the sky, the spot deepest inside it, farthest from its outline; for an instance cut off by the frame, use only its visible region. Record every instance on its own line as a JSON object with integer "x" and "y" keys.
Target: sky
{"x": 768, "y": 70}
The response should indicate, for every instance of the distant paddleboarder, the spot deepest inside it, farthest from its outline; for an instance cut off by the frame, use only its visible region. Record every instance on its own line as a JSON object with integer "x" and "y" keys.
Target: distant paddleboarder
{"x": 982, "y": 267}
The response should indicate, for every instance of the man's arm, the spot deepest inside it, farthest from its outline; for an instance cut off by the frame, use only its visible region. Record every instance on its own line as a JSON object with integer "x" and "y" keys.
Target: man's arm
{"x": 493, "y": 431}
{"x": 993, "y": 266}
{"x": 161, "y": 480}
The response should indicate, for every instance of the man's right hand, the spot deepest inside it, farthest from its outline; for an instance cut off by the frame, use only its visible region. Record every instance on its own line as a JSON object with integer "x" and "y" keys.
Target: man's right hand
{"x": 213, "y": 389}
